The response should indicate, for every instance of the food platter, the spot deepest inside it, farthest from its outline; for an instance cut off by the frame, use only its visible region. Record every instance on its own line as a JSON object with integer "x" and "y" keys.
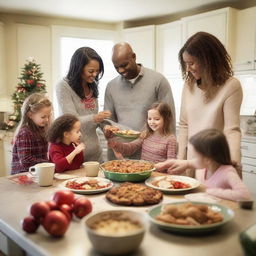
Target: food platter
{"x": 129, "y": 134}
{"x": 88, "y": 185}
{"x": 161, "y": 183}
{"x": 111, "y": 170}
{"x": 226, "y": 213}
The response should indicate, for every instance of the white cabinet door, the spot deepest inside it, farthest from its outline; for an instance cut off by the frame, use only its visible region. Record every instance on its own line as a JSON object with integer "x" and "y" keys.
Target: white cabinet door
{"x": 2, "y": 60}
{"x": 168, "y": 45}
{"x": 142, "y": 40}
{"x": 220, "y": 23}
{"x": 245, "y": 41}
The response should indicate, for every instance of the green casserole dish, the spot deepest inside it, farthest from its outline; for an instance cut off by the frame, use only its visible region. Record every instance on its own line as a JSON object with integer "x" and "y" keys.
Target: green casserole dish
{"x": 116, "y": 174}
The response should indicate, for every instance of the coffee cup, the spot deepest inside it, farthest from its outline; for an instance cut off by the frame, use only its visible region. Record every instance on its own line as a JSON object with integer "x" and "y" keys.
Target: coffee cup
{"x": 91, "y": 168}
{"x": 43, "y": 172}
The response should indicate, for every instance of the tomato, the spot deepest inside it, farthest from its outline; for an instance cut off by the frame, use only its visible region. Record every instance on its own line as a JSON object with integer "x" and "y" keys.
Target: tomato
{"x": 56, "y": 223}
{"x": 39, "y": 210}
{"x": 64, "y": 197}
{"x": 30, "y": 225}
{"x": 82, "y": 207}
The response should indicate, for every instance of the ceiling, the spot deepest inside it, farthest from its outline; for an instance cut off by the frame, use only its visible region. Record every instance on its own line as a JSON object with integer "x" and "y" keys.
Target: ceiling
{"x": 106, "y": 10}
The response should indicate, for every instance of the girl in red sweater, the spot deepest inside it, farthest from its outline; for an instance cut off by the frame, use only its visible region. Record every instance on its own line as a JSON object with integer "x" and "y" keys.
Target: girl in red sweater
{"x": 65, "y": 149}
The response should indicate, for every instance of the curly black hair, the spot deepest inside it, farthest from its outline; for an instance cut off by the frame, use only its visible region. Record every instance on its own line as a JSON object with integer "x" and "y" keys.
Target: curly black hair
{"x": 62, "y": 124}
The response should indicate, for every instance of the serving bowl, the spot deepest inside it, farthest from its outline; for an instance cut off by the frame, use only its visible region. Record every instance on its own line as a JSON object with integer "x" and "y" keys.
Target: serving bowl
{"x": 122, "y": 176}
{"x": 118, "y": 243}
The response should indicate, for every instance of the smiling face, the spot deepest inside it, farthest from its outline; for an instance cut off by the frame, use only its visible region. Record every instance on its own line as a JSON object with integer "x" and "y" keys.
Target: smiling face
{"x": 74, "y": 135}
{"x": 41, "y": 117}
{"x": 192, "y": 65}
{"x": 155, "y": 121}
{"x": 125, "y": 65}
{"x": 91, "y": 71}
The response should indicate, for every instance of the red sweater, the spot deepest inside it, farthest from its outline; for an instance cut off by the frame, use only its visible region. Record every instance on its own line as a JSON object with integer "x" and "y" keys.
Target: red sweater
{"x": 58, "y": 153}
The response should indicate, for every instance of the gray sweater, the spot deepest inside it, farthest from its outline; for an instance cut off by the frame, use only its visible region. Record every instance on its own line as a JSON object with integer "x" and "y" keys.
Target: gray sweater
{"x": 69, "y": 102}
{"x": 129, "y": 102}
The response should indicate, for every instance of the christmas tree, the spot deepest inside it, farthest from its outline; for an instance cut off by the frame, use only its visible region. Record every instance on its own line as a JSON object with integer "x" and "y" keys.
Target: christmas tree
{"x": 30, "y": 82}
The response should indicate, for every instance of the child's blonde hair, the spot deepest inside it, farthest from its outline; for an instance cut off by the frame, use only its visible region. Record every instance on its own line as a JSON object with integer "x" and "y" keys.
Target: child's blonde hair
{"x": 33, "y": 103}
{"x": 166, "y": 113}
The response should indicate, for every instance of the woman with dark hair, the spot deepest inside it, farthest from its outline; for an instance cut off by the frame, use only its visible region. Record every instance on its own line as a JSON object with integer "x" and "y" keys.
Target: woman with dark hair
{"x": 77, "y": 94}
{"x": 211, "y": 96}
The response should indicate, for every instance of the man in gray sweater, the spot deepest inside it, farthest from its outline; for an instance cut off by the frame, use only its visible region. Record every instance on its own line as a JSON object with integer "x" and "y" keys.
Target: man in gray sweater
{"x": 129, "y": 95}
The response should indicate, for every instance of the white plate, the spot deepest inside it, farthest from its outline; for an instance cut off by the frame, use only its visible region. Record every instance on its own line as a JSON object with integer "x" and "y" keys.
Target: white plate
{"x": 63, "y": 176}
{"x": 89, "y": 191}
{"x": 188, "y": 180}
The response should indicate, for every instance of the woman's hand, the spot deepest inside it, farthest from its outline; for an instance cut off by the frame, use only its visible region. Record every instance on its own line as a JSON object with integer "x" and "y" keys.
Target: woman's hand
{"x": 98, "y": 118}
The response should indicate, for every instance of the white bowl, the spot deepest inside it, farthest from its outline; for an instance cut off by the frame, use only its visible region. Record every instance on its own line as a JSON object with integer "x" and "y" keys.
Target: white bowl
{"x": 116, "y": 244}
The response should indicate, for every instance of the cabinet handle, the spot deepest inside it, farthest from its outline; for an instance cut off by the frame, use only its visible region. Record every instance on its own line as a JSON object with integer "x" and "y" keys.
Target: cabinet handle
{"x": 245, "y": 63}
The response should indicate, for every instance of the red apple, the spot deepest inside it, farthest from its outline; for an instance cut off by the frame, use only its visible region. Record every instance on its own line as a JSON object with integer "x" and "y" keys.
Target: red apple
{"x": 30, "y": 225}
{"x": 39, "y": 210}
{"x": 67, "y": 210}
{"x": 52, "y": 204}
{"x": 56, "y": 223}
{"x": 64, "y": 197}
{"x": 82, "y": 207}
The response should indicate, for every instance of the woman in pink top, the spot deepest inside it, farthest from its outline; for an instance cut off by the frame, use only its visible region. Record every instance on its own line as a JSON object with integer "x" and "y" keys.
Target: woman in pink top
{"x": 157, "y": 141}
{"x": 219, "y": 175}
{"x": 211, "y": 96}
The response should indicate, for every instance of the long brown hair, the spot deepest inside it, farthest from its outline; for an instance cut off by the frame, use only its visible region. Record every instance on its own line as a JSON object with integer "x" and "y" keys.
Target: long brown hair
{"x": 212, "y": 144}
{"x": 33, "y": 103}
{"x": 212, "y": 57}
{"x": 62, "y": 124}
{"x": 166, "y": 113}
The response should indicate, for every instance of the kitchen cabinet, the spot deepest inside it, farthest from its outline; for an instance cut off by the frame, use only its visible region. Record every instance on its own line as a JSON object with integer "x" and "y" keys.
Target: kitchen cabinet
{"x": 142, "y": 40}
{"x": 248, "y": 148}
{"x": 2, "y": 60}
{"x": 245, "y": 40}
{"x": 220, "y": 23}
{"x": 168, "y": 45}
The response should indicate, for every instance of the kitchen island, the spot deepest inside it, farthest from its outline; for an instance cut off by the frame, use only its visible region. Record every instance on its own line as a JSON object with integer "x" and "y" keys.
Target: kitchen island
{"x": 15, "y": 201}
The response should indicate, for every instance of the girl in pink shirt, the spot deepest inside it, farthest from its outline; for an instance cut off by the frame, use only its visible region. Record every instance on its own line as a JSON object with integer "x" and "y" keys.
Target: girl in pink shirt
{"x": 213, "y": 164}
{"x": 157, "y": 143}
{"x": 66, "y": 150}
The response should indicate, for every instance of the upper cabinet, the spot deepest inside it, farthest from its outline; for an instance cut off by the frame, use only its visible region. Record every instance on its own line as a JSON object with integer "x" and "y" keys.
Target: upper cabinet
{"x": 2, "y": 60}
{"x": 220, "y": 23}
{"x": 245, "y": 41}
{"x": 142, "y": 40}
{"x": 168, "y": 44}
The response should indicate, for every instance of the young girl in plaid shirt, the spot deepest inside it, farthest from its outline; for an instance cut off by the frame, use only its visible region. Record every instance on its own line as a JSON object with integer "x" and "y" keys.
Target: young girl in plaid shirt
{"x": 157, "y": 142}
{"x": 30, "y": 144}
{"x": 66, "y": 149}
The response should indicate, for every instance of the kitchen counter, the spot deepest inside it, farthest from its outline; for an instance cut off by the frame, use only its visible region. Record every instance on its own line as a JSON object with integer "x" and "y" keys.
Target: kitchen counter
{"x": 16, "y": 200}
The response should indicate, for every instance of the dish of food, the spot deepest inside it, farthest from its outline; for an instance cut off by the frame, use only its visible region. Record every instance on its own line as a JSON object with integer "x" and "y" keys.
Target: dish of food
{"x": 127, "y": 170}
{"x": 87, "y": 185}
{"x": 115, "y": 223}
{"x": 134, "y": 194}
{"x": 172, "y": 183}
{"x": 189, "y": 218}
{"x": 127, "y": 134}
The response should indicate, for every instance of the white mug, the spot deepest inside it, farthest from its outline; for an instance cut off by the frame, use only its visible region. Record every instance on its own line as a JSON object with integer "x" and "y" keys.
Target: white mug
{"x": 44, "y": 173}
{"x": 91, "y": 168}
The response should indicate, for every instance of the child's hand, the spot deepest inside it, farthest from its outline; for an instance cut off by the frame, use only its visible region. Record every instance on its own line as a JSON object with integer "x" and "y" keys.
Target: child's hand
{"x": 111, "y": 143}
{"x": 98, "y": 118}
{"x": 109, "y": 130}
{"x": 78, "y": 148}
{"x": 118, "y": 155}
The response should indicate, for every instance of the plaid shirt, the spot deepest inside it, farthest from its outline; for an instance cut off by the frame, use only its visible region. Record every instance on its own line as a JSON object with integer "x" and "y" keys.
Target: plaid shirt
{"x": 28, "y": 150}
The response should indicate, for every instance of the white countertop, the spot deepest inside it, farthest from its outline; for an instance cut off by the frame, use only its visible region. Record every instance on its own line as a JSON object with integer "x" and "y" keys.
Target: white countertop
{"x": 15, "y": 201}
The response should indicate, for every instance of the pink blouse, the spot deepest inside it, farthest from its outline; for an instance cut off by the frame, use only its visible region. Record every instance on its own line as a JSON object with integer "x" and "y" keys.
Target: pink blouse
{"x": 224, "y": 183}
